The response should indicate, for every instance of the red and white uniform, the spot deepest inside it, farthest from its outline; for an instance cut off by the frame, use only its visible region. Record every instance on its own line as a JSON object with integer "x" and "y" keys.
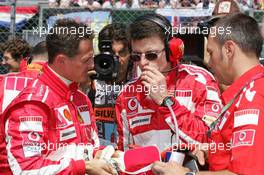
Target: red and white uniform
{"x": 10, "y": 86}
{"x": 13, "y": 83}
{"x": 242, "y": 128}
{"x": 196, "y": 104}
{"x": 48, "y": 127}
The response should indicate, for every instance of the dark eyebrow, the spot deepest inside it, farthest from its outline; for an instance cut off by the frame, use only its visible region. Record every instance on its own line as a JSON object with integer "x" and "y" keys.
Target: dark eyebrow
{"x": 136, "y": 52}
{"x": 152, "y": 51}
{"x": 5, "y": 57}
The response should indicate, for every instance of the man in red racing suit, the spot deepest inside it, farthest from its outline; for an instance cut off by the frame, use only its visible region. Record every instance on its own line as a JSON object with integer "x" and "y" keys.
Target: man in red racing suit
{"x": 196, "y": 104}
{"x": 237, "y": 135}
{"x": 12, "y": 84}
{"x": 49, "y": 128}
{"x": 46, "y": 132}
{"x": 241, "y": 129}
{"x": 142, "y": 115}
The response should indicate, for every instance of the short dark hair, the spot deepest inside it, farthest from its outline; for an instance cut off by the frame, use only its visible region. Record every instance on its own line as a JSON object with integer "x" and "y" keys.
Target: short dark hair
{"x": 18, "y": 48}
{"x": 115, "y": 32}
{"x": 142, "y": 28}
{"x": 39, "y": 49}
{"x": 65, "y": 37}
{"x": 244, "y": 31}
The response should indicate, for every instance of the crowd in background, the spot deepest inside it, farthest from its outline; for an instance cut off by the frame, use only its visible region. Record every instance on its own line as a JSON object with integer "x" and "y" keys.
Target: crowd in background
{"x": 97, "y": 4}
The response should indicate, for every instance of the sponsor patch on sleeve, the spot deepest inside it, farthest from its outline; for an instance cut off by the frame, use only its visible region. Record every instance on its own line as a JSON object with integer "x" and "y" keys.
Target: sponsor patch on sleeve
{"x": 64, "y": 117}
{"x": 243, "y": 138}
{"x": 212, "y": 108}
{"x": 31, "y": 123}
{"x": 84, "y": 114}
{"x": 212, "y": 94}
{"x": 32, "y": 143}
{"x": 67, "y": 134}
{"x": 246, "y": 117}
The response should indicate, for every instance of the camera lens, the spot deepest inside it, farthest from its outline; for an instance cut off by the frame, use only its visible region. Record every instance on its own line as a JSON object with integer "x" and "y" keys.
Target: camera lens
{"x": 104, "y": 64}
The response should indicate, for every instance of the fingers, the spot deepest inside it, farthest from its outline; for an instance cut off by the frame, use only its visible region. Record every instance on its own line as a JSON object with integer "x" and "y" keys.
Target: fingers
{"x": 110, "y": 169}
{"x": 99, "y": 167}
{"x": 91, "y": 72}
{"x": 98, "y": 154}
{"x": 146, "y": 84}
{"x": 158, "y": 168}
{"x": 152, "y": 78}
{"x": 152, "y": 69}
{"x": 116, "y": 154}
{"x": 147, "y": 79}
{"x": 200, "y": 155}
{"x": 149, "y": 73}
{"x": 105, "y": 173}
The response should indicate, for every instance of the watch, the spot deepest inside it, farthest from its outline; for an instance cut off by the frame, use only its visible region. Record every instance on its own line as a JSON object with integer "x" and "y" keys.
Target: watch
{"x": 191, "y": 173}
{"x": 167, "y": 100}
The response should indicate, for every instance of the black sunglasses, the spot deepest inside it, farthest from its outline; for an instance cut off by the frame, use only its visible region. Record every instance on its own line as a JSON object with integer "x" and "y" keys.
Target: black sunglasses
{"x": 149, "y": 55}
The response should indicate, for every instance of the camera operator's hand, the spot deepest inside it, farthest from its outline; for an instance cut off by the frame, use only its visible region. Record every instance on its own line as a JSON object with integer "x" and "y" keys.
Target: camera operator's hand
{"x": 99, "y": 167}
{"x": 155, "y": 82}
{"x": 169, "y": 168}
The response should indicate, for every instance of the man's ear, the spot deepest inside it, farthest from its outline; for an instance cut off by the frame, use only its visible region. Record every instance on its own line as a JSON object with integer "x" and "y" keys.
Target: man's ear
{"x": 60, "y": 60}
{"x": 229, "y": 49}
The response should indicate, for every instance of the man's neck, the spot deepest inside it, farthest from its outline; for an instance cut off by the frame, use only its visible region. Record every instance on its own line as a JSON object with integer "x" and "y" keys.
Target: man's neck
{"x": 245, "y": 65}
{"x": 65, "y": 80}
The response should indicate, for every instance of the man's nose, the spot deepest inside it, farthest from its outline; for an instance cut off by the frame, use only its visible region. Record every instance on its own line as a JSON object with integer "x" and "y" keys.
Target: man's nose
{"x": 3, "y": 62}
{"x": 91, "y": 64}
{"x": 143, "y": 60}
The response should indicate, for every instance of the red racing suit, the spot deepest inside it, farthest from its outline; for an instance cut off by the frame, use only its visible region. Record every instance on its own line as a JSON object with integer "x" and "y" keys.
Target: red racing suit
{"x": 196, "y": 104}
{"x": 49, "y": 128}
{"x": 10, "y": 86}
{"x": 238, "y": 138}
{"x": 13, "y": 83}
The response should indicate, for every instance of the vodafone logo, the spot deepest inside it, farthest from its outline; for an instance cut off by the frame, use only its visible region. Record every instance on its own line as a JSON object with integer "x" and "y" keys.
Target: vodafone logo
{"x": 132, "y": 104}
{"x": 33, "y": 136}
{"x": 215, "y": 107}
{"x": 242, "y": 136}
{"x": 135, "y": 107}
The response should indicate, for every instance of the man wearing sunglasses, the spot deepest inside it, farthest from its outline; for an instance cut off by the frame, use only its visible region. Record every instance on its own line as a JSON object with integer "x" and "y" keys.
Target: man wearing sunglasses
{"x": 142, "y": 109}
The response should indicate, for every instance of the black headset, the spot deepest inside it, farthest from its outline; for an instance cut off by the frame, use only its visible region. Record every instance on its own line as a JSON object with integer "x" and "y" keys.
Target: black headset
{"x": 169, "y": 42}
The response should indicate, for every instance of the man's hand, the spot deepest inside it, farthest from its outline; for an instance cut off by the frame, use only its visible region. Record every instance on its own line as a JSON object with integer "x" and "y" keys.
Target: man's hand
{"x": 170, "y": 168}
{"x": 99, "y": 167}
{"x": 155, "y": 82}
{"x": 99, "y": 153}
{"x": 201, "y": 152}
